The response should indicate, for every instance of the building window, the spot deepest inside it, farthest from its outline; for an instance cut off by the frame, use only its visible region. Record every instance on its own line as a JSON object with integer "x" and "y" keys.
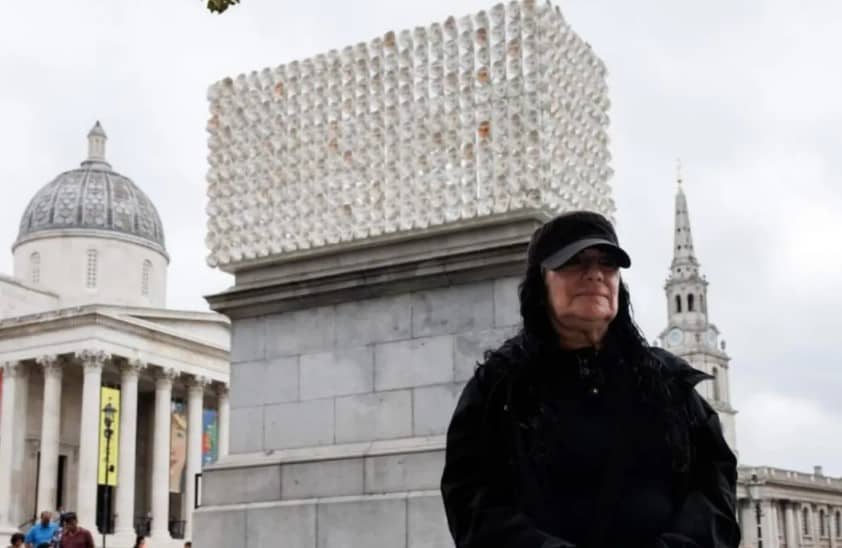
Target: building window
{"x": 678, "y": 303}
{"x": 716, "y": 395}
{"x": 805, "y": 522}
{"x": 822, "y": 528}
{"x": 838, "y": 524}
{"x": 35, "y": 267}
{"x": 690, "y": 302}
{"x": 145, "y": 275}
{"x": 90, "y": 278}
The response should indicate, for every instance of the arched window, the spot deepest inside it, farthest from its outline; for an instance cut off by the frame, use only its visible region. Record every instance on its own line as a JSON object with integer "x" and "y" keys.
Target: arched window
{"x": 145, "y": 275}
{"x": 90, "y": 278}
{"x": 35, "y": 267}
{"x": 822, "y": 528}
{"x": 805, "y": 521}
{"x": 716, "y": 381}
{"x": 678, "y": 303}
{"x": 690, "y": 302}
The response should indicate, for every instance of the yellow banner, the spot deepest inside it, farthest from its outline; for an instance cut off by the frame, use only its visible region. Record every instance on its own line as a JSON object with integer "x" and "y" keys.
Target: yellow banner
{"x": 112, "y": 396}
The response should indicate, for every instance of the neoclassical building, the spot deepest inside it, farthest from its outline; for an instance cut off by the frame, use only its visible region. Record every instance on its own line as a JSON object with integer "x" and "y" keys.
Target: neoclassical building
{"x": 84, "y": 311}
{"x": 776, "y": 507}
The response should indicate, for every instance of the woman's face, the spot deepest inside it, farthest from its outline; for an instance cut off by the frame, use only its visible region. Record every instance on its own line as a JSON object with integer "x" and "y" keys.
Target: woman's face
{"x": 585, "y": 289}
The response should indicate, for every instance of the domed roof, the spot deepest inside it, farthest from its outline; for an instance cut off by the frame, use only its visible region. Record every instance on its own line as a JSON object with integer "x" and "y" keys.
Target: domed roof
{"x": 93, "y": 197}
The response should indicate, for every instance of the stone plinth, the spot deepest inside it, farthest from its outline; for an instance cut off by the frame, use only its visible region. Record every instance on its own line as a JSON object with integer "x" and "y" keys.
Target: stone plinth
{"x": 346, "y": 370}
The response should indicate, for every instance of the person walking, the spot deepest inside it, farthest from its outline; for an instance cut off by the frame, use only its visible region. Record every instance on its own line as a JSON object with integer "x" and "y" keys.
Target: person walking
{"x": 74, "y": 536}
{"x": 42, "y": 532}
{"x": 576, "y": 432}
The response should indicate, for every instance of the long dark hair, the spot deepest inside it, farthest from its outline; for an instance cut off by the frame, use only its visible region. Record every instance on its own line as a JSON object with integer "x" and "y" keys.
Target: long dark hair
{"x": 538, "y": 336}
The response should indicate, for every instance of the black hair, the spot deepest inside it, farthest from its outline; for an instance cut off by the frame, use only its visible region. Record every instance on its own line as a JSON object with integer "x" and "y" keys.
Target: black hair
{"x": 16, "y": 537}
{"x": 139, "y": 541}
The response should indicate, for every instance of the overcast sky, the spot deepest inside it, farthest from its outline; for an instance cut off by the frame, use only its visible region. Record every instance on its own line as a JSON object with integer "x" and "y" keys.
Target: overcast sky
{"x": 747, "y": 93}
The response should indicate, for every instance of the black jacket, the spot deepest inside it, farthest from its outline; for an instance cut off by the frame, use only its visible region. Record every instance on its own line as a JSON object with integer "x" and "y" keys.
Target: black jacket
{"x": 562, "y": 454}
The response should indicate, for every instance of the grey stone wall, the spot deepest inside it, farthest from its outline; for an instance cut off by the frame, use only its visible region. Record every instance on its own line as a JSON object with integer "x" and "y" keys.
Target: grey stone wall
{"x": 358, "y": 375}
{"x": 382, "y": 368}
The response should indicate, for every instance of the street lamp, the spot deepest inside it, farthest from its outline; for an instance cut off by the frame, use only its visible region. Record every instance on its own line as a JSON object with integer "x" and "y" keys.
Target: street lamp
{"x": 754, "y": 496}
{"x": 108, "y": 412}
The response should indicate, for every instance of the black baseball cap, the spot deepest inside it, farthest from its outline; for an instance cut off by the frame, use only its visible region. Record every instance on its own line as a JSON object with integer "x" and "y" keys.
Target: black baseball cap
{"x": 560, "y": 239}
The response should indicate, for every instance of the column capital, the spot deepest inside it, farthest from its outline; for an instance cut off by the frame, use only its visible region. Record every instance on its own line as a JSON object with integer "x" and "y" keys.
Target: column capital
{"x": 165, "y": 376}
{"x": 51, "y": 364}
{"x": 132, "y": 367}
{"x": 12, "y": 369}
{"x": 222, "y": 390}
{"x": 92, "y": 359}
{"x": 198, "y": 383}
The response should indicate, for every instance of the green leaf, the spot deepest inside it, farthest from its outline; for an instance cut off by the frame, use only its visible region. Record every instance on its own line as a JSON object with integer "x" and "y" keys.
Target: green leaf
{"x": 219, "y": 6}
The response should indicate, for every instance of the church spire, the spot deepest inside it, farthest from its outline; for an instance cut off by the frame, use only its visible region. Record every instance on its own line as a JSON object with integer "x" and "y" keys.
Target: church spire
{"x": 684, "y": 257}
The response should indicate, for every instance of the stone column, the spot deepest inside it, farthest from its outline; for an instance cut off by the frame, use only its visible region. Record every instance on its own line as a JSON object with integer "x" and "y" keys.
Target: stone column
{"x": 748, "y": 520}
{"x": 50, "y": 423}
{"x": 92, "y": 362}
{"x": 791, "y": 526}
{"x": 224, "y": 417}
{"x": 831, "y": 527}
{"x": 161, "y": 458}
{"x": 12, "y": 373}
{"x": 129, "y": 373}
{"x": 770, "y": 524}
{"x": 195, "y": 399}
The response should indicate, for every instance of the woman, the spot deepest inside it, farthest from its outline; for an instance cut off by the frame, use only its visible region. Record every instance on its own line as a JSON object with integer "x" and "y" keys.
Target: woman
{"x": 577, "y": 433}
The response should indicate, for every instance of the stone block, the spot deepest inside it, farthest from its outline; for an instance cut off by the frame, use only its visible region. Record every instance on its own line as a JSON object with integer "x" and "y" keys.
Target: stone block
{"x": 241, "y": 485}
{"x": 290, "y": 526}
{"x": 248, "y": 339}
{"x": 300, "y": 424}
{"x": 415, "y": 362}
{"x": 506, "y": 302}
{"x": 219, "y": 528}
{"x": 373, "y": 320}
{"x": 264, "y": 382}
{"x": 468, "y": 349}
{"x": 337, "y": 373}
{"x": 427, "y": 523}
{"x": 300, "y": 332}
{"x": 331, "y": 478}
{"x": 368, "y": 417}
{"x": 433, "y": 408}
{"x": 246, "y": 430}
{"x": 406, "y": 472}
{"x": 362, "y": 524}
{"x": 453, "y": 309}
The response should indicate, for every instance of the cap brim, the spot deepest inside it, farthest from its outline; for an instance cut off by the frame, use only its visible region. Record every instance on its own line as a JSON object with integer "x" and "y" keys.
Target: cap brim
{"x": 567, "y": 252}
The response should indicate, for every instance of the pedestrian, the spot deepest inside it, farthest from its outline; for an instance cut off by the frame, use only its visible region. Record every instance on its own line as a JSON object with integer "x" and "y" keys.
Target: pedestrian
{"x": 74, "y": 536}
{"x": 17, "y": 540}
{"x": 576, "y": 432}
{"x": 42, "y": 532}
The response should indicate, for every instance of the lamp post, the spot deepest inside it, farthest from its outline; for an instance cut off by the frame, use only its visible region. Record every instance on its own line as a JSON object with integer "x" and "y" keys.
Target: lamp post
{"x": 108, "y": 411}
{"x": 754, "y": 497}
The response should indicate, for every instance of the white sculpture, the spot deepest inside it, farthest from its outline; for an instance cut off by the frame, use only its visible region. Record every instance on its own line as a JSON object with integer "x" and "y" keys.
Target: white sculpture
{"x": 489, "y": 114}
